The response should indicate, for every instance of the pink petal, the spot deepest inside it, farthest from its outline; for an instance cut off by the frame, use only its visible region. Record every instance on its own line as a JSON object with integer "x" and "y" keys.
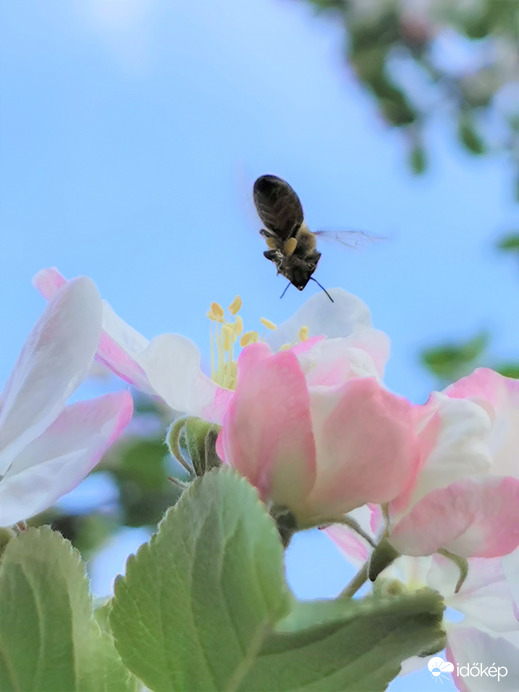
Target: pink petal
{"x": 54, "y": 360}
{"x": 500, "y": 397}
{"x": 453, "y": 436}
{"x": 120, "y": 345}
{"x": 476, "y": 517}
{"x": 267, "y": 430}
{"x": 168, "y": 366}
{"x": 62, "y": 456}
{"x": 366, "y": 447}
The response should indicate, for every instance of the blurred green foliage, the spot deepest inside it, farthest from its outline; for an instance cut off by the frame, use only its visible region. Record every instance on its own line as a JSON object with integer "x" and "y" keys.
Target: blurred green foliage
{"x": 437, "y": 57}
{"x": 457, "y": 61}
{"x": 452, "y": 361}
{"x": 509, "y": 243}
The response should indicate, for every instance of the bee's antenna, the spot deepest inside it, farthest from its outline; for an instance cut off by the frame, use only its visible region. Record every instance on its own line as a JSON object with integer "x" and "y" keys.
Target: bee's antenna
{"x": 320, "y": 286}
{"x": 286, "y": 289}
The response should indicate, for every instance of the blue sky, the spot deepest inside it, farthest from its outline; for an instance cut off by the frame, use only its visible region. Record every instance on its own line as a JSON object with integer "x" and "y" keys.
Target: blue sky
{"x": 131, "y": 135}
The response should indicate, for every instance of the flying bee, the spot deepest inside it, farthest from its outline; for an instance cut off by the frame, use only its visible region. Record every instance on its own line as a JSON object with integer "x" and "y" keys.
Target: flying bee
{"x": 292, "y": 246}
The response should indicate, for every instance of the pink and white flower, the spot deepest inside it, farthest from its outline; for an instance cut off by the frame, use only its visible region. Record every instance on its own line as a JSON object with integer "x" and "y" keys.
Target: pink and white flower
{"x": 47, "y": 448}
{"x": 466, "y": 495}
{"x": 317, "y": 437}
{"x": 169, "y": 366}
{"x": 311, "y": 426}
{"x": 487, "y": 633}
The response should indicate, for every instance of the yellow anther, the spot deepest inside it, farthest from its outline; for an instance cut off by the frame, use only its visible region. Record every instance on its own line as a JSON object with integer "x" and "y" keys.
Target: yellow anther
{"x": 215, "y": 312}
{"x": 303, "y": 334}
{"x": 249, "y": 338}
{"x": 238, "y": 325}
{"x": 271, "y": 243}
{"x": 285, "y": 347}
{"x": 235, "y": 306}
{"x": 267, "y": 323}
{"x": 290, "y": 246}
{"x": 228, "y": 337}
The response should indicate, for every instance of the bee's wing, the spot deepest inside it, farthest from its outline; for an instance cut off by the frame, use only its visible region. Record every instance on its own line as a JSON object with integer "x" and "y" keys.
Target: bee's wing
{"x": 351, "y": 239}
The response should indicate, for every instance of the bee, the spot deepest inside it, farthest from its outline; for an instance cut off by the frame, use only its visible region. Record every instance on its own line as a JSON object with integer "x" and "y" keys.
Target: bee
{"x": 292, "y": 246}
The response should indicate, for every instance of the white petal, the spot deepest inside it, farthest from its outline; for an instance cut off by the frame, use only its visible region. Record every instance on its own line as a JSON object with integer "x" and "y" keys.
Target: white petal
{"x": 461, "y": 447}
{"x": 471, "y": 646}
{"x": 511, "y": 571}
{"x": 53, "y": 362}
{"x": 334, "y": 361}
{"x": 120, "y": 349}
{"x": 323, "y": 318}
{"x": 484, "y": 598}
{"x": 56, "y": 462}
{"x": 172, "y": 365}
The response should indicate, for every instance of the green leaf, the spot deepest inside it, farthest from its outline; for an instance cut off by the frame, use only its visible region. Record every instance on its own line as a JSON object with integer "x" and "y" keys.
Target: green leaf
{"x": 452, "y": 361}
{"x": 141, "y": 469}
{"x": 418, "y": 159}
{"x": 196, "y": 601}
{"x": 468, "y": 134}
{"x": 48, "y": 637}
{"x": 509, "y": 243}
{"x": 347, "y": 644}
{"x": 508, "y": 370}
{"x": 201, "y": 608}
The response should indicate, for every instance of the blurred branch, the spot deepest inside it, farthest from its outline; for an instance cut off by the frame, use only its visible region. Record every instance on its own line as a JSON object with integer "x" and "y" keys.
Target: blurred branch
{"x": 463, "y": 56}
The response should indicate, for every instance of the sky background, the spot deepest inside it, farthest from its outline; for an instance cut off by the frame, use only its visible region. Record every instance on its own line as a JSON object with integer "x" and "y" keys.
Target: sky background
{"x": 131, "y": 134}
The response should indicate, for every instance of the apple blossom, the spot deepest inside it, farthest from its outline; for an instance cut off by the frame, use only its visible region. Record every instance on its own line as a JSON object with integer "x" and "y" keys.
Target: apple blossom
{"x": 488, "y": 632}
{"x": 169, "y": 366}
{"x": 305, "y": 417}
{"x": 46, "y": 449}
{"x": 466, "y": 495}
{"x": 320, "y": 447}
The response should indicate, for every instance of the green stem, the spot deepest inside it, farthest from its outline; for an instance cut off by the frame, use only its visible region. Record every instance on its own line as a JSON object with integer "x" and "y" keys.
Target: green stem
{"x": 351, "y": 524}
{"x": 358, "y": 580}
{"x": 172, "y": 440}
{"x": 461, "y": 563}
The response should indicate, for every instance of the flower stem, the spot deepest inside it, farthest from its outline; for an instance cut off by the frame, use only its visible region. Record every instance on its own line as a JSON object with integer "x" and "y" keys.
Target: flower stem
{"x": 174, "y": 448}
{"x": 351, "y": 524}
{"x": 358, "y": 580}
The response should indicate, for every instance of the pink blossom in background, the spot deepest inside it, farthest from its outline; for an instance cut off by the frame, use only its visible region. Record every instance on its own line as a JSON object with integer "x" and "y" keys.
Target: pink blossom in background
{"x": 466, "y": 497}
{"x": 488, "y": 631}
{"x": 47, "y": 448}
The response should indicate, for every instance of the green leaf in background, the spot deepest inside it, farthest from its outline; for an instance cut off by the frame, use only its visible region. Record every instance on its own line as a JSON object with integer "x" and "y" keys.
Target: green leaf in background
{"x": 192, "y": 610}
{"x": 452, "y": 361}
{"x": 141, "y": 468}
{"x": 469, "y": 135}
{"x": 49, "y": 640}
{"x": 508, "y": 370}
{"x": 509, "y": 243}
{"x": 418, "y": 159}
{"x": 347, "y": 644}
{"x": 204, "y": 606}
